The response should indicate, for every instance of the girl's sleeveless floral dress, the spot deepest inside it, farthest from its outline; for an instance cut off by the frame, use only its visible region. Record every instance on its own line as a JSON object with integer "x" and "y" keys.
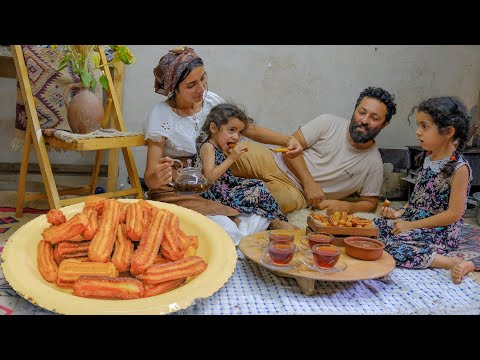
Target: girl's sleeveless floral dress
{"x": 416, "y": 248}
{"x": 249, "y": 196}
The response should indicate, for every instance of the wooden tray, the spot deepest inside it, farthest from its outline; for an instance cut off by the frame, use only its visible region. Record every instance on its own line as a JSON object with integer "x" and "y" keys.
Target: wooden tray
{"x": 342, "y": 231}
{"x": 356, "y": 269}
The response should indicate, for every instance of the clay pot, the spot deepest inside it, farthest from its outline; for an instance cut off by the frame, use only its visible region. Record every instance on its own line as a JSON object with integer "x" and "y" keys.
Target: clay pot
{"x": 363, "y": 248}
{"x": 84, "y": 110}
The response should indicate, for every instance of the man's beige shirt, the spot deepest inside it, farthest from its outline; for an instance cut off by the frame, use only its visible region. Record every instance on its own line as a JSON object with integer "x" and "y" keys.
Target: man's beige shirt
{"x": 340, "y": 169}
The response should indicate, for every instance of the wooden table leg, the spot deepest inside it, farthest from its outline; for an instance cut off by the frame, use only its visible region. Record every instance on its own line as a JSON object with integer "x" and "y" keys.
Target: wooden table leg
{"x": 306, "y": 285}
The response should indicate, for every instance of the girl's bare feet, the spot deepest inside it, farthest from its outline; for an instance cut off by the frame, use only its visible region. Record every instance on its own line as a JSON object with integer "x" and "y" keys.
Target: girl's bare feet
{"x": 460, "y": 269}
{"x": 280, "y": 224}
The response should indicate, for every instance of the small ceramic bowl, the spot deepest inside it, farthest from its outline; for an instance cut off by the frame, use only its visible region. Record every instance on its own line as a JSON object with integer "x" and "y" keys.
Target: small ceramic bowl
{"x": 363, "y": 248}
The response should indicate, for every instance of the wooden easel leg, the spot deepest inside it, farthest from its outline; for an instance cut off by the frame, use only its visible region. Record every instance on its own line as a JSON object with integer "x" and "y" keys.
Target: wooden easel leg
{"x": 95, "y": 171}
{"x": 132, "y": 171}
{"x": 22, "y": 179}
{"x": 35, "y": 129}
{"x": 112, "y": 170}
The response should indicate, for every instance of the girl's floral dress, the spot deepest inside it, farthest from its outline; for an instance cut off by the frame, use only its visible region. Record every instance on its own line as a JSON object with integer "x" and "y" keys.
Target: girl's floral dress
{"x": 416, "y": 248}
{"x": 249, "y": 196}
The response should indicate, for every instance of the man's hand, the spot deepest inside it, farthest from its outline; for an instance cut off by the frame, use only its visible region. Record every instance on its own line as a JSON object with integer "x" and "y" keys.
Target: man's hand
{"x": 314, "y": 194}
{"x": 401, "y": 226}
{"x": 334, "y": 205}
{"x": 294, "y": 148}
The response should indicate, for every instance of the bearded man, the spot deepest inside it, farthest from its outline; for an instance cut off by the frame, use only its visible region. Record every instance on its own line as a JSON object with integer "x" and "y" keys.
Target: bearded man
{"x": 340, "y": 159}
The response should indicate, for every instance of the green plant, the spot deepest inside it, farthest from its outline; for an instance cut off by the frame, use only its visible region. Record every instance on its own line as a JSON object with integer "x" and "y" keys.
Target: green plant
{"x": 77, "y": 57}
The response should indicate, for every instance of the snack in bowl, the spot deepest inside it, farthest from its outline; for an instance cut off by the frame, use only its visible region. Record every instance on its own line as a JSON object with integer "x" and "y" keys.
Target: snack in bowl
{"x": 205, "y": 238}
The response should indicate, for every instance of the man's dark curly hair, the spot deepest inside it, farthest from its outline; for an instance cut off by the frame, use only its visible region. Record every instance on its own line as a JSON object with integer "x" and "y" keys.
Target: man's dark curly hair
{"x": 448, "y": 111}
{"x": 382, "y": 95}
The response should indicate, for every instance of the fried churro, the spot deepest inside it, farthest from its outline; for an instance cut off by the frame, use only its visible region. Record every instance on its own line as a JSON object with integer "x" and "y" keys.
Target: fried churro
{"x": 103, "y": 287}
{"x": 70, "y": 249}
{"x": 102, "y": 243}
{"x": 123, "y": 252}
{"x": 73, "y": 227}
{"x": 45, "y": 261}
{"x": 151, "y": 290}
{"x": 56, "y": 217}
{"x": 149, "y": 246}
{"x": 171, "y": 246}
{"x": 175, "y": 270}
{"x": 70, "y": 270}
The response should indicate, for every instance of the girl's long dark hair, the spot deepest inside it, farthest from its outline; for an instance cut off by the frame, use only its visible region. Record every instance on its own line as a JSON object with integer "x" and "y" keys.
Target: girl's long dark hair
{"x": 219, "y": 116}
{"x": 448, "y": 111}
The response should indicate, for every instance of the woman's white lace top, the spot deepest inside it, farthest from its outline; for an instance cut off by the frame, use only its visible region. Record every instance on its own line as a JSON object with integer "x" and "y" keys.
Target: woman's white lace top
{"x": 181, "y": 132}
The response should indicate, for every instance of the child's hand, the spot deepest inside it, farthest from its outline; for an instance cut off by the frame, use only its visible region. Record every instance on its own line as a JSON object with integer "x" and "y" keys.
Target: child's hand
{"x": 401, "y": 226}
{"x": 390, "y": 213}
{"x": 237, "y": 151}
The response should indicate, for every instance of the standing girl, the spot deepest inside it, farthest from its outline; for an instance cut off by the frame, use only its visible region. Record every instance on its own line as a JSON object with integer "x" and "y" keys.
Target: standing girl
{"x": 218, "y": 149}
{"x": 429, "y": 225}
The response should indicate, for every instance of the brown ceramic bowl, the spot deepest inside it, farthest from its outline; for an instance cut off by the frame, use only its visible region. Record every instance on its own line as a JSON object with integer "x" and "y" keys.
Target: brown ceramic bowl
{"x": 363, "y": 248}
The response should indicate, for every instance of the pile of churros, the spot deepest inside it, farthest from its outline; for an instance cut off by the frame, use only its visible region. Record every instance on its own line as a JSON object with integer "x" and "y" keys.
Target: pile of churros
{"x": 116, "y": 251}
{"x": 341, "y": 219}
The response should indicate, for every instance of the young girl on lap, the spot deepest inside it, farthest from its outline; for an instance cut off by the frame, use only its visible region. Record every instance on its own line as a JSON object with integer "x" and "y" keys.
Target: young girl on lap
{"x": 218, "y": 150}
{"x": 429, "y": 225}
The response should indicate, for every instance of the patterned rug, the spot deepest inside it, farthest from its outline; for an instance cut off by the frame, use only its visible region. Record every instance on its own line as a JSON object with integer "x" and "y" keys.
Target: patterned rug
{"x": 469, "y": 248}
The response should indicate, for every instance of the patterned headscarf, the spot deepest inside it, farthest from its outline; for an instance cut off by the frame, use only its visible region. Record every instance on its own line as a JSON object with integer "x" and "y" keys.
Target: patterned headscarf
{"x": 170, "y": 67}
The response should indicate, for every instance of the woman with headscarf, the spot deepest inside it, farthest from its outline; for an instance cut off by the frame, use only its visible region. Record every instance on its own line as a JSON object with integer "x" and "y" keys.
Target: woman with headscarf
{"x": 172, "y": 126}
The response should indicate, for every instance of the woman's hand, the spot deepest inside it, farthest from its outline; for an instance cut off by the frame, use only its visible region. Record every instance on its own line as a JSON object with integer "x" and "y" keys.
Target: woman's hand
{"x": 294, "y": 148}
{"x": 163, "y": 171}
{"x": 238, "y": 150}
{"x": 389, "y": 213}
{"x": 401, "y": 226}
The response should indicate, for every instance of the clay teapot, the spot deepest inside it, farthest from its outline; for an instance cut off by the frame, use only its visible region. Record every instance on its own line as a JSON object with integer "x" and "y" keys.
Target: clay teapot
{"x": 84, "y": 110}
{"x": 190, "y": 180}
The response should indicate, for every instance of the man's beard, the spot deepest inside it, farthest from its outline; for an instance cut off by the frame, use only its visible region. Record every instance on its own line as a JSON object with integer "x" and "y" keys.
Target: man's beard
{"x": 361, "y": 137}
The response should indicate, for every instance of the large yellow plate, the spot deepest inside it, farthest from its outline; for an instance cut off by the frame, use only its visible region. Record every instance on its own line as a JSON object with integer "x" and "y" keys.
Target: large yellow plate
{"x": 19, "y": 265}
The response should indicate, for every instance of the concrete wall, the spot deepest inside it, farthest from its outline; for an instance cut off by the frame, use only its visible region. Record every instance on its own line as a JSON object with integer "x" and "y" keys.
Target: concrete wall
{"x": 283, "y": 87}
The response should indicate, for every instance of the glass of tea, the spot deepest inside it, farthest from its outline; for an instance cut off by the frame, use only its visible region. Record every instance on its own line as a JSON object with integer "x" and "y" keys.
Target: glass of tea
{"x": 283, "y": 235}
{"x": 325, "y": 255}
{"x": 281, "y": 252}
{"x": 314, "y": 238}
